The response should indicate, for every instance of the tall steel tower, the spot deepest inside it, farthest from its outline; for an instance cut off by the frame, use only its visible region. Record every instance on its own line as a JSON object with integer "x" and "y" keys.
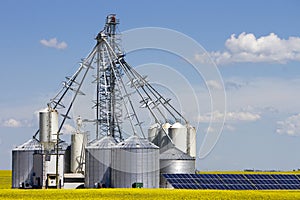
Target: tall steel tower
{"x": 107, "y": 103}
{"x": 116, "y": 81}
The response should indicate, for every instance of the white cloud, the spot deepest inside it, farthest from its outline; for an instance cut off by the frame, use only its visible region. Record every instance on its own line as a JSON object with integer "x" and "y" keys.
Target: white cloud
{"x": 229, "y": 117}
{"x": 290, "y": 126}
{"x": 227, "y": 127}
{"x": 248, "y": 48}
{"x": 53, "y": 43}
{"x": 12, "y": 123}
{"x": 242, "y": 116}
{"x": 214, "y": 84}
{"x": 68, "y": 129}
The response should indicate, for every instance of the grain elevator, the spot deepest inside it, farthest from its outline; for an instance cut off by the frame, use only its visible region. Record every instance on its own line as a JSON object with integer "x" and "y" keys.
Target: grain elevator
{"x": 110, "y": 148}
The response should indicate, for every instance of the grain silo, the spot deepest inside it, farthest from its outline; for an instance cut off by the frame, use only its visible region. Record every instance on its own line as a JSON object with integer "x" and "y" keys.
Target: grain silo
{"x": 174, "y": 161}
{"x": 154, "y": 133}
{"x": 178, "y": 134}
{"x": 135, "y": 163}
{"x": 48, "y": 119}
{"x": 164, "y": 135}
{"x": 183, "y": 137}
{"x": 22, "y": 164}
{"x": 78, "y": 143}
{"x": 158, "y": 134}
{"x": 98, "y": 162}
{"x": 191, "y": 141}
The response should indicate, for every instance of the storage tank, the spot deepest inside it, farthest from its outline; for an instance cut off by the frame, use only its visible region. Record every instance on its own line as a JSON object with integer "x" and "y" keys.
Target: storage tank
{"x": 78, "y": 143}
{"x": 191, "y": 141}
{"x": 98, "y": 162}
{"x": 174, "y": 161}
{"x": 48, "y": 125}
{"x": 153, "y": 133}
{"x": 22, "y": 163}
{"x": 163, "y": 139}
{"x": 178, "y": 134}
{"x": 135, "y": 162}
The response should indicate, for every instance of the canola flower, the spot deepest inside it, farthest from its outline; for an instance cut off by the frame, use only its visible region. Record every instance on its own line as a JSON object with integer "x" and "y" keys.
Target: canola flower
{"x": 5, "y": 179}
{"x": 144, "y": 194}
{"x": 167, "y": 194}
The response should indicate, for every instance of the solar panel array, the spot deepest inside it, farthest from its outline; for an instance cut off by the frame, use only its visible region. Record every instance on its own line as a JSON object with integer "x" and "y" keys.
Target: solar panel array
{"x": 234, "y": 181}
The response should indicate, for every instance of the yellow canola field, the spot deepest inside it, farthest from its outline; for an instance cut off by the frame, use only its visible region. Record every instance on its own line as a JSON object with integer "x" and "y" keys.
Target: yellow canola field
{"x": 5, "y": 179}
{"x": 128, "y": 194}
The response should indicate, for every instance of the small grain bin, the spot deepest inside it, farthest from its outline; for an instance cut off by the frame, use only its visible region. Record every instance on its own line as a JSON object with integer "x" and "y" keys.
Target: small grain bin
{"x": 174, "y": 161}
{"x": 22, "y": 163}
{"x": 135, "y": 162}
{"x": 98, "y": 162}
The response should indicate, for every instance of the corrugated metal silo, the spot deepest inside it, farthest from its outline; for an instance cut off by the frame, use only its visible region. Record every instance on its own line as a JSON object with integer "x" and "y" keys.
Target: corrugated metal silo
{"x": 174, "y": 161}
{"x": 98, "y": 162}
{"x": 22, "y": 163}
{"x": 135, "y": 161}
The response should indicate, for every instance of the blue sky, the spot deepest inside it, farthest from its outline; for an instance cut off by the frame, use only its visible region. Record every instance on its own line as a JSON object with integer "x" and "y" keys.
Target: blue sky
{"x": 255, "y": 45}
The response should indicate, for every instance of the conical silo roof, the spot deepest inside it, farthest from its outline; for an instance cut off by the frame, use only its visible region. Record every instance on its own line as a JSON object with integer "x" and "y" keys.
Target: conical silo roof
{"x": 166, "y": 125}
{"x": 31, "y": 144}
{"x": 177, "y": 125}
{"x": 105, "y": 142}
{"x": 174, "y": 153}
{"x": 135, "y": 142}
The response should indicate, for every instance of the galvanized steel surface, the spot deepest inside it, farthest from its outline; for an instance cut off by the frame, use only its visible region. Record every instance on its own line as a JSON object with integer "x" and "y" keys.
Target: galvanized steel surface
{"x": 22, "y": 162}
{"x": 174, "y": 161}
{"x": 98, "y": 162}
{"x": 174, "y": 153}
{"x": 135, "y": 160}
{"x": 135, "y": 142}
{"x": 175, "y": 167}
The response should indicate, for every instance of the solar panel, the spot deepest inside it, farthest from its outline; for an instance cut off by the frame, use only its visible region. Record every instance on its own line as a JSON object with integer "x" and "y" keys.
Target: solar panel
{"x": 231, "y": 176}
{"x": 234, "y": 181}
{"x": 258, "y": 176}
